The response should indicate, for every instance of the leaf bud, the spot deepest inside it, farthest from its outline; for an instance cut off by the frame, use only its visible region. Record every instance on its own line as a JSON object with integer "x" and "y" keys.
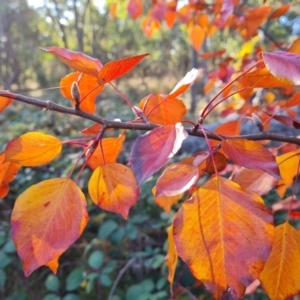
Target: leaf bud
{"x": 75, "y": 92}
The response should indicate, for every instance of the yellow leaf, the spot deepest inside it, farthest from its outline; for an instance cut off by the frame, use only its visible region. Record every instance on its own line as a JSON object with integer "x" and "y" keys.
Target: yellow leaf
{"x": 280, "y": 277}
{"x": 33, "y": 149}
{"x": 113, "y": 187}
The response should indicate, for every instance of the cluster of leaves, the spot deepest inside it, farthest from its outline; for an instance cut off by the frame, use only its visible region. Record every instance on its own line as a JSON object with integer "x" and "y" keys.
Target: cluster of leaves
{"x": 223, "y": 219}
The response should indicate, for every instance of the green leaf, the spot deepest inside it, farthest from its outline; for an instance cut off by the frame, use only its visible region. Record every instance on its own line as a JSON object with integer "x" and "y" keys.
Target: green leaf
{"x": 5, "y": 260}
{"x": 95, "y": 260}
{"x": 2, "y": 238}
{"x": 2, "y": 278}
{"x": 51, "y": 297}
{"x": 52, "y": 283}
{"x": 107, "y": 228}
{"x": 9, "y": 247}
{"x": 131, "y": 231}
{"x": 89, "y": 286}
{"x": 105, "y": 280}
{"x": 158, "y": 260}
{"x": 161, "y": 283}
{"x": 74, "y": 279}
{"x": 118, "y": 235}
{"x": 134, "y": 291}
{"x": 148, "y": 285}
{"x": 109, "y": 267}
{"x": 138, "y": 219}
{"x": 71, "y": 297}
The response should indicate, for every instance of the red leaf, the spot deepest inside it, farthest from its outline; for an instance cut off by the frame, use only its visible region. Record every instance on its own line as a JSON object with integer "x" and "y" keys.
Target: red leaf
{"x": 93, "y": 129}
{"x": 283, "y": 65}
{"x": 251, "y": 155}
{"x": 76, "y": 60}
{"x": 152, "y": 150}
{"x": 135, "y": 8}
{"x": 118, "y": 68}
{"x": 282, "y": 10}
{"x": 288, "y": 121}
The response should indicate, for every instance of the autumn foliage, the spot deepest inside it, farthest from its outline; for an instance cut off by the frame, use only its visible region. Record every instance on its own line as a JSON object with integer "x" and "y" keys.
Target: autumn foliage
{"x": 222, "y": 230}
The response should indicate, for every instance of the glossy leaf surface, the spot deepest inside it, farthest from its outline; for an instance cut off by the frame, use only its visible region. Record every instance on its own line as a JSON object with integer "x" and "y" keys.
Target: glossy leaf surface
{"x": 113, "y": 187}
{"x": 251, "y": 155}
{"x": 152, "y": 150}
{"x": 283, "y": 65}
{"x": 280, "y": 277}
{"x": 118, "y": 68}
{"x": 111, "y": 149}
{"x": 214, "y": 236}
{"x": 163, "y": 110}
{"x": 256, "y": 181}
{"x": 168, "y": 184}
{"x": 47, "y": 218}
{"x": 33, "y": 149}
{"x": 88, "y": 90}
{"x": 76, "y": 60}
{"x": 184, "y": 83}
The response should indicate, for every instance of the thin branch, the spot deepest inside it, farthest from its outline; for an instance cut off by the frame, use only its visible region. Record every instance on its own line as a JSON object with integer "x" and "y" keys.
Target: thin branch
{"x": 49, "y": 105}
{"x": 271, "y": 38}
{"x": 121, "y": 273}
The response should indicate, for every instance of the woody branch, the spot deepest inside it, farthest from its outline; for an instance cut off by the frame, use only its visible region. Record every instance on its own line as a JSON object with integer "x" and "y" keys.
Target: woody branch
{"x": 49, "y": 105}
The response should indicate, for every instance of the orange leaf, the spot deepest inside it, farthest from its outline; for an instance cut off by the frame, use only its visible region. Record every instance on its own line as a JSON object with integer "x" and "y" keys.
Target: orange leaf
{"x": 135, "y": 8}
{"x": 254, "y": 18}
{"x": 111, "y": 149}
{"x": 263, "y": 78}
{"x": 295, "y": 47}
{"x": 220, "y": 163}
{"x": 46, "y": 220}
{"x": 170, "y": 18}
{"x": 280, "y": 277}
{"x": 294, "y": 100}
{"x": 176, "y": 179}
{"x": 171, "y": 258}
{"x": 151, "y": 151}
{"x": 76, "y": 60}
{"x": 113, "y": 187}
{"x": 282, "y": 10}
{"x": 251, "y": 155}
{"x": 8, "y": 171}
{"x": 163, "y": 110}
{"x": 33, "y": 149}
{"x": 93, "y": 129}
{"x": 196, "y": 36}
{"x": 112, "y": 10}
{"x": 118, "y": 68}
{"x": 207, "y": 55}
{"x": 289, "y": 167}
{"x": 214, "y": 237}
{"x": 256, "y": 181}
{"x": 211, "y": 82}
{"x": 166, "y": 202}
{"x": 88, "y": 87}
{"x": 184, "y": 83}
{"x": 5, "y": 102}
{"x": 230, "y": 128}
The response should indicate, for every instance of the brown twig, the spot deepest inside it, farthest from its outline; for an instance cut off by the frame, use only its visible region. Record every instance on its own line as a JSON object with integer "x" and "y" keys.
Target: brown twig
{"x": 49, "y": 105}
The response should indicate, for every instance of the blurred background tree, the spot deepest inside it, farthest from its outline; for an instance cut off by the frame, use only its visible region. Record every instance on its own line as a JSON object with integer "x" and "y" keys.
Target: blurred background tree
{"x": 113, "y": 259}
